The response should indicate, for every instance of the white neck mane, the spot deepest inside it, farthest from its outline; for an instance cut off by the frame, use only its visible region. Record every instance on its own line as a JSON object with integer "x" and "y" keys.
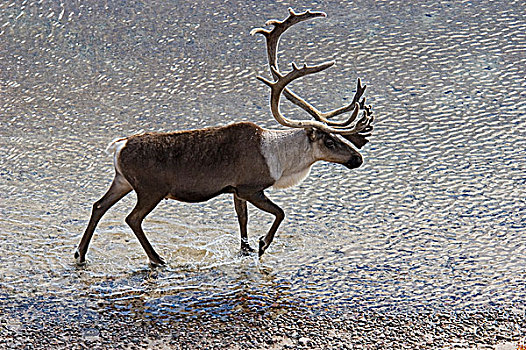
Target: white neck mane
{"x": 288, "y": 154}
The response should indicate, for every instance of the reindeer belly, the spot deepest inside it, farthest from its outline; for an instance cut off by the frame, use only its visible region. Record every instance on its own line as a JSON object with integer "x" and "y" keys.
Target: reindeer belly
{"x": 202, "y": 186}
{"x": 198, "y": 188}
{"x": 197, "y": 196}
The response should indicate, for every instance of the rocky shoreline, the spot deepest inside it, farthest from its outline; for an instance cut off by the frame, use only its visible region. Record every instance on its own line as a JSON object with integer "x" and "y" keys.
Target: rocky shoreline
{"x": 37, "y": 324}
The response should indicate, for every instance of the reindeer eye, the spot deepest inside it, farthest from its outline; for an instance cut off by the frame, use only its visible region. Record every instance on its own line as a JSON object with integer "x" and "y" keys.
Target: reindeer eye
{"x": 329, "y": 143}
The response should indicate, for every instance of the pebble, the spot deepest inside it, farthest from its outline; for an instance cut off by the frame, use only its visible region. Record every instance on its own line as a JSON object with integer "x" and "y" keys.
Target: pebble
{"x": 279, "y": 332}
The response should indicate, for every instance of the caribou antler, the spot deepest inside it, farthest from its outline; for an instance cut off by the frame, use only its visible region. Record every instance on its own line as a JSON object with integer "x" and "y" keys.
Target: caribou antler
{"x": 358, "y": 135}
{"x": 273, "y": 36}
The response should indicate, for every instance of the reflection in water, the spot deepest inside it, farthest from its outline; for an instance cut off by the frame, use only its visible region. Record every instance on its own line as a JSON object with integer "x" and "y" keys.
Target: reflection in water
{"x": 434, "y": 220}
{"x": 247, "y": 292}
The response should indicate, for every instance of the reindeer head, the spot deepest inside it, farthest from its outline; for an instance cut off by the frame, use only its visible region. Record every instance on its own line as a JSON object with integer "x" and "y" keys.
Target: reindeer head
{"x": 331, "y": 148}
{"x": 323, "y": 133}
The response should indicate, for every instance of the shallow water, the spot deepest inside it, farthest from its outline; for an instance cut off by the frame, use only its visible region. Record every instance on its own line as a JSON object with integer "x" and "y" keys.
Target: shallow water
{"x": 434, "y": 219}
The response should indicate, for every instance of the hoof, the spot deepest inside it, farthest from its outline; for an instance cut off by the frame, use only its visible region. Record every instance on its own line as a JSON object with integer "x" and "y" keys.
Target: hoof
{"x": 246, "y": 250}
{"x": 79, "y": 261}
{"x": 157, "y": 262}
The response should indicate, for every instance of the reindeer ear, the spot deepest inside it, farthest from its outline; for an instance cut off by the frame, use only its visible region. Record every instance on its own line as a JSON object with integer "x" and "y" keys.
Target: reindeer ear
{"x": 357, "y": 139}
{"x": 312, "y": 134}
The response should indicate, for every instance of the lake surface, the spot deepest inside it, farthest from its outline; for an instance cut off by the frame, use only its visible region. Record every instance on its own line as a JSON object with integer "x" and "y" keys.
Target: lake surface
{"x": 433, "y": 222}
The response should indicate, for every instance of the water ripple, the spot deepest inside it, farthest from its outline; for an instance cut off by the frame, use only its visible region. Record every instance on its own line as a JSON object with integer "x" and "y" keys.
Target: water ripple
{"x": 434, "y": 218}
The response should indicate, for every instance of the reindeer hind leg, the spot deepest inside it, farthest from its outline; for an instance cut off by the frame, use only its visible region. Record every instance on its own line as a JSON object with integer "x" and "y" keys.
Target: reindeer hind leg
{"x": 118, "y": 189}
{"x": 146, "y": 202}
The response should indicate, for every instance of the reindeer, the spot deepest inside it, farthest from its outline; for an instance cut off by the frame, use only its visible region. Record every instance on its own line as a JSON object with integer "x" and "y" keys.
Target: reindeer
{"x": 242, "y": 158}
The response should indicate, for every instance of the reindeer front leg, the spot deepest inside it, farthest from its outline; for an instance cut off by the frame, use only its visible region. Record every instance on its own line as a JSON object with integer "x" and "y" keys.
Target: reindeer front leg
{"x": 260, "y": 201}
{"x": 242, "y": 217}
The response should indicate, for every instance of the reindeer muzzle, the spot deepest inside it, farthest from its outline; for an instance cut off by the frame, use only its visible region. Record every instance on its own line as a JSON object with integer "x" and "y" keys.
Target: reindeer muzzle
{"x": 354, "y": 162}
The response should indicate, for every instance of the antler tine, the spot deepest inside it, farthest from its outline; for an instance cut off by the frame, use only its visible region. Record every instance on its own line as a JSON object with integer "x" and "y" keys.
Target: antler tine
{"x": 296, "y": 73}
{"x": 278, "y": 86}
{"x": 359, "y": 139}
{"x": 359, "y": 92}
{"x": 280, "y": 26}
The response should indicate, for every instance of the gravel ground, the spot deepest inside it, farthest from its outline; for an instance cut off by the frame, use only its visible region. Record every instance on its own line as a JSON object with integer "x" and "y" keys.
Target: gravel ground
{"x": 44, "y": 324}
